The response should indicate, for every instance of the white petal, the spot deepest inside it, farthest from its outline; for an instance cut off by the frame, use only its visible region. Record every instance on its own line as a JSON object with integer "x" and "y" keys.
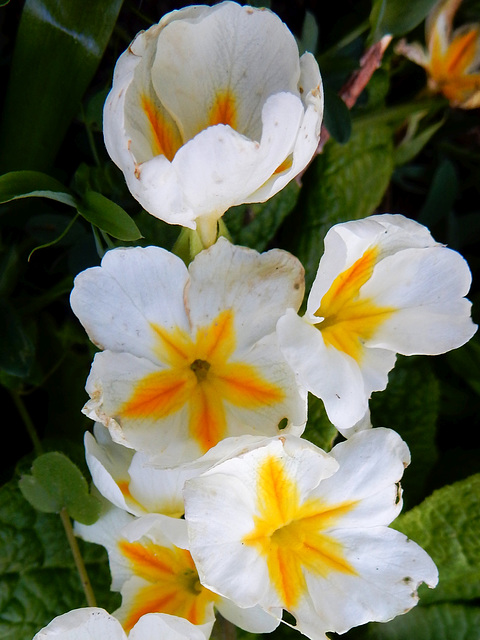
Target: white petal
{"x": 153, "y": 626}
{"x": 251, "y": 283}
{"x": 117, "y": 302}
{"x": 390, "y": 568}
{"x": 252, "y": 619}
{"x": 89, "y": 623}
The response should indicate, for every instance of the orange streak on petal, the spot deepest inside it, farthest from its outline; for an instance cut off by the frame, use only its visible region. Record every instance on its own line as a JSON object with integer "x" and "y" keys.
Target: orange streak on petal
{"x": 207, "y": 423}
{"x": 223, "y": 110}
{"x": 216, "y": 342}
{"x": 461, "y": 52}
{"x": 158, "y": 395}
{"x": 241, "y": 385}
{"x": 166, "y": 139}
{"x": 174, "y": 347}
{"x": 286, "y": 164}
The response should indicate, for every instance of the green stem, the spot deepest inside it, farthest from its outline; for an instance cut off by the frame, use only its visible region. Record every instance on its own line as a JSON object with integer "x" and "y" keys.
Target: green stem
{"x": 77, "y": 556}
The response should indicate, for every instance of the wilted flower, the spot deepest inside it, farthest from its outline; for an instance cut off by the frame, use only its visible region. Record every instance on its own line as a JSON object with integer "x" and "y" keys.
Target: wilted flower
{"x": 190, "y": 355}
{"x": 211, "y": 108}
{"x": 285, "y": 525}
{"x": 451, "y": 60}
{"x": 383, "y": 287}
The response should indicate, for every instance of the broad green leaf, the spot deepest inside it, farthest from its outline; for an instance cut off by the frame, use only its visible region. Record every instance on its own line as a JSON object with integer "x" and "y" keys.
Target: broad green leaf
{"x": 447, "y": 526}
{"x": 397, "y": 18}
{"x": 410, "y": 406}
{"x": 17, "y": 350}
{"x": 255, "y": 225}
{"x": 38, "y": 580}
{"x": 445, "y": 621}
{"x": 58, "y": 48}
{"x": 345, "y": 182}
{"x": 108, "y": 216}
{"x": 27, "y": 184}
{"x": 336, "y": 117}
{"x": 56, "y": 482}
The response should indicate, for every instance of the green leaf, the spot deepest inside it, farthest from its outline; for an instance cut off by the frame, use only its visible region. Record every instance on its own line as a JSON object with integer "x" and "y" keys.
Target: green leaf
{"x": 411, "y": 146}
{"x": 17, "y": 351}
{"x": 441, "y": 195}
{"x": 27, "y": 184}
{"x": 255, "y": 225}
{"x": 345, "y": 182}
{"x": 465, "y": 362}
{"x": 336, "y": 118}
{"x": 410, "y": 405}
{"x": 58, "y": 48}
{"x": 38, "y": 579}
{"x": 55, "y": 483}
{"x": 436, "y": 622}
{"x": 447, "y": 526}
{"x": 397, "y": 18}
{"x": 108, "y": 216}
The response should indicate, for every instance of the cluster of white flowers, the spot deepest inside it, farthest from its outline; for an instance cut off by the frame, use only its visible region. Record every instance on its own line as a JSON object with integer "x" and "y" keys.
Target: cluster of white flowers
{"x": 213, "y": 501}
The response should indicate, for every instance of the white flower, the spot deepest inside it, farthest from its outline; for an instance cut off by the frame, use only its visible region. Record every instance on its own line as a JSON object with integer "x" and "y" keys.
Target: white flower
{"x": 152, "y": 568}
{"x": 286, "y": 525}
{"x": 92, "y": 623}
{"x": 383, "y": 286}
{"x": 211, "y": 108}
{"x": 190, "y": 355}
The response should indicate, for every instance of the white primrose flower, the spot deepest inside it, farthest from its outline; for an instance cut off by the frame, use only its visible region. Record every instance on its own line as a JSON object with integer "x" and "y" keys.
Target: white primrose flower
{"x": 92, "y": 623}
{"x": 190, "y": 356}
{"x": 211, "y": 108}
{"x": 286, "y": 525}
{"x": 383, "y": 287}
{"x": 153, "y": 570}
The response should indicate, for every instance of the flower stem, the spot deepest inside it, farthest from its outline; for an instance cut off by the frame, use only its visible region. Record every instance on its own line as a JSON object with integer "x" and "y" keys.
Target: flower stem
{"x": 27, "y": 421}
{"x": 77, "y": 556}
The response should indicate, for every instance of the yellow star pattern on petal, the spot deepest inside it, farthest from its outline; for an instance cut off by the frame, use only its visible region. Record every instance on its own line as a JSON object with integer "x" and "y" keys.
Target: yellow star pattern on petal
{"x": 291, "y": 534}
{"x": 348, "y": 319}
{"x": 202, "y": 376}
{"x": 174, "y": 586}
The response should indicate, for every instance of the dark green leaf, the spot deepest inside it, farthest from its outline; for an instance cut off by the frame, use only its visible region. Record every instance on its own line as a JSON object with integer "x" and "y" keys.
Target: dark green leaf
{"x": 336, "y": 118}
{"x": 441, "y": 196}
{"x": 447, "y": 526}
{"x": 108, "y": 216}
{"x": 57, "y": 483}
{"x": 16, "y": 348}
{"x": 397, "y": 18}
{"x": 57, "y": 51}
{"x": 27, "y": 184}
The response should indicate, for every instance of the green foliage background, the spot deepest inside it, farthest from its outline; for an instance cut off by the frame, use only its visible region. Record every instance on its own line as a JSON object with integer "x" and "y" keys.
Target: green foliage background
{"x": 398, "y": 150}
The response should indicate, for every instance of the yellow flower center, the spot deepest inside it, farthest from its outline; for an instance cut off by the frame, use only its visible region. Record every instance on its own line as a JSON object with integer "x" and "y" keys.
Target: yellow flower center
{"x": 291, "y": 534}
{"x": 172, "y": 583}
{"x": 201, "y": 376}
